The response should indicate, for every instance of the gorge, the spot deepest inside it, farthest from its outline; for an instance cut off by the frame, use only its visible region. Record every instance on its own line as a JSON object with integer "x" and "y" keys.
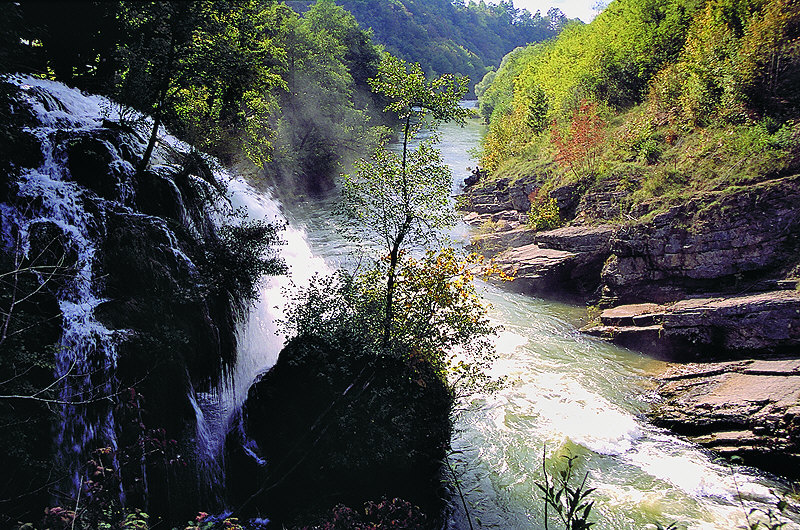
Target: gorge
{"x": 567, "y": 394}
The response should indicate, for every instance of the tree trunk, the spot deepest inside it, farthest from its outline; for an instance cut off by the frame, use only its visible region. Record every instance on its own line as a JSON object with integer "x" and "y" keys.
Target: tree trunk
{"x": 394, "y": 254}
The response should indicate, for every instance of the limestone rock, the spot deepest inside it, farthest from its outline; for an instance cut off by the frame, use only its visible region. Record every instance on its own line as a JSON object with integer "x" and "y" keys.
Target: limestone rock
{"x": 720, "y": 242}
{"x": 751, "y": 324}
{"x": 496, "y": 242}
{"x": 744, "y": 408}
{"x": 578, "y": 238}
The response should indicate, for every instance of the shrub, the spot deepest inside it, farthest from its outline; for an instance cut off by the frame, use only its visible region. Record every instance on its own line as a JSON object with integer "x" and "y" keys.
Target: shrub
{"x": 544, "y": 213}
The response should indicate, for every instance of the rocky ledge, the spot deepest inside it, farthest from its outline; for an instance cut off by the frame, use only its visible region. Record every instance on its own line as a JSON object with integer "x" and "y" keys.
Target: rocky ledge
{"x": 754, "y": 324}
{"x": 749, "y": 409}
{"x": 711, "y": 279}
{"x": 564, "y": 261}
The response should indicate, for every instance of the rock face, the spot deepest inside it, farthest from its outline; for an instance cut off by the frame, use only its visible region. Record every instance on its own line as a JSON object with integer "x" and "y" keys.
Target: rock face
{"x": 748, "y": 408}
{"x": 565, "y": 260}
{"x": 763, "y": 323}
{"x": 718, "y": 243}
{"x": 496, "y": 242}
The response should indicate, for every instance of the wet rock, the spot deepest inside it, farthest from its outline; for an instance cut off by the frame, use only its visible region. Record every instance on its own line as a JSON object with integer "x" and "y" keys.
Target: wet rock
{"x": 749, "y": 409}
{"x": 89, "y": 160}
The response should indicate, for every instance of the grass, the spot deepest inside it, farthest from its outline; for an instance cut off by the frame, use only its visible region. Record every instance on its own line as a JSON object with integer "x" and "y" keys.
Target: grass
{"x": 662, "y": 164}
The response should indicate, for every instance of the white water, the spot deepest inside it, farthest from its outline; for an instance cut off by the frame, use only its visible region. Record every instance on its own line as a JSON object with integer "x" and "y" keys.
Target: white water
{"x": 258, "y": 336}
{"x": 87, "y": 348}
{"x": 84, "y": 368}
{"x": 568, "y": 395}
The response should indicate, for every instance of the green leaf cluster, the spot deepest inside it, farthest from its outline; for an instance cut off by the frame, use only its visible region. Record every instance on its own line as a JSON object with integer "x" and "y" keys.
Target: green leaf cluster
{"x": 235, "y": 78}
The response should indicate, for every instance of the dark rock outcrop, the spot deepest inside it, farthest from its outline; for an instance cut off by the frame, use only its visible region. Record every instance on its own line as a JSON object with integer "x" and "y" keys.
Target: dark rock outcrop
{"x": 749, "y": 409}
{"x": 717, "y": 243}
{"x": 333, "y": 424}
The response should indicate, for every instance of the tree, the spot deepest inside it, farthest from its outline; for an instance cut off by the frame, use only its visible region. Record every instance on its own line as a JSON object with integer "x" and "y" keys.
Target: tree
{"x": 401, "y": 199}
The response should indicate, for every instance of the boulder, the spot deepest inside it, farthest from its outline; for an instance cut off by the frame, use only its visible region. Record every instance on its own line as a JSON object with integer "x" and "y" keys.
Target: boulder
{"x": 331, "y": 423}
{"x": 564, "y": 261}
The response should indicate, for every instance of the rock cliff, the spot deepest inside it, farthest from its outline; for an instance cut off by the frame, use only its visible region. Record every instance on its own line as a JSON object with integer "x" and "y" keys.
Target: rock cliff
{"x": 708, "y": 280}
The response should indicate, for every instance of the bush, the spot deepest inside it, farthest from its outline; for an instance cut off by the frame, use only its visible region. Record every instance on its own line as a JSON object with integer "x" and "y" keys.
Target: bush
{"x": 544, "y": 213}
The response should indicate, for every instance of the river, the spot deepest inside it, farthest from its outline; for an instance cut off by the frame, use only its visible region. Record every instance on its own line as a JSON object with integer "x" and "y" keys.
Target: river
{"x": 568, "y": 395}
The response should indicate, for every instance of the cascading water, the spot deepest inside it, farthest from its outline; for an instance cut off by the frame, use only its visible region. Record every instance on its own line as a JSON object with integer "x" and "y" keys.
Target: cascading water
{"x": 258, "y": 335}
{"x": 87, "y": 356}
{"x": 86, "y": 360}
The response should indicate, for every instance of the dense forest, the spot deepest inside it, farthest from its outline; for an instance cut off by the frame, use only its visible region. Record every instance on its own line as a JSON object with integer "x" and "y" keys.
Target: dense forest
{"x": 464, "y": 38}
{"x": 240, "y": 80}
{"x": 662, "y": 98}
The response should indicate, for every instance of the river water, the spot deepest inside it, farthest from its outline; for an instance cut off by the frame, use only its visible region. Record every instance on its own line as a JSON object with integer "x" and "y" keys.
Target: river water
{"x": 568, "y": 395}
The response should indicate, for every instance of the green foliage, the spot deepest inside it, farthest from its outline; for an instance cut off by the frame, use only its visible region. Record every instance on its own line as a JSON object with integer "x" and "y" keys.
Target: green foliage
{"x": 544, "y": 213}
{"x": 695, "y": 96}
{"x": 241, "y": 78}
{"x": 462, "y": 38}
{"x": 327, "y": 108}
{"x": 569, "y": 500}
{"x": 239, "y": 256}
{"x": 438, "y": 319}
{"x": 400, "y": 200}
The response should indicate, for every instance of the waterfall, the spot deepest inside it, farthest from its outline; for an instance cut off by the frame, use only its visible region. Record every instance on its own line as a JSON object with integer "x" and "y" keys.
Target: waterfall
{"x": 87, "y": 356}
{"x": 258, "y": 335}
{"x": 85, "y": 363}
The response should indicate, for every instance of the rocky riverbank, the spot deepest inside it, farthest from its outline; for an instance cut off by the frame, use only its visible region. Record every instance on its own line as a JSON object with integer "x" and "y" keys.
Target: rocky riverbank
{"x": 711, "y": 281}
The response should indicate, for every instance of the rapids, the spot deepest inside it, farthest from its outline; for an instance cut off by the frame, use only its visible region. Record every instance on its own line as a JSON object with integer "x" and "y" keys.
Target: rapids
{"x": 568, "y": 394}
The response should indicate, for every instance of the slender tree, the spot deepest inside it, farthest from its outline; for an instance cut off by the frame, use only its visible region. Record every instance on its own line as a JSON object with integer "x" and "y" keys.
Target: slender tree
{"x": 401, "y": 199}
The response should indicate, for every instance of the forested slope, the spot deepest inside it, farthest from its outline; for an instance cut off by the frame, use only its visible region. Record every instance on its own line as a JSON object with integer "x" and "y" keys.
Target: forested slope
{"x": 664, "y": 98}
{"x": 464, "y": 38}
{"x": 241, "y": 80}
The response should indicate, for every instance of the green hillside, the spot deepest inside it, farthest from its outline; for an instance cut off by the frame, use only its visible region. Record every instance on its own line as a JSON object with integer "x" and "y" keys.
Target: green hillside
{"x": 659, "y": 98}
{"x": 460, "y": 37}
